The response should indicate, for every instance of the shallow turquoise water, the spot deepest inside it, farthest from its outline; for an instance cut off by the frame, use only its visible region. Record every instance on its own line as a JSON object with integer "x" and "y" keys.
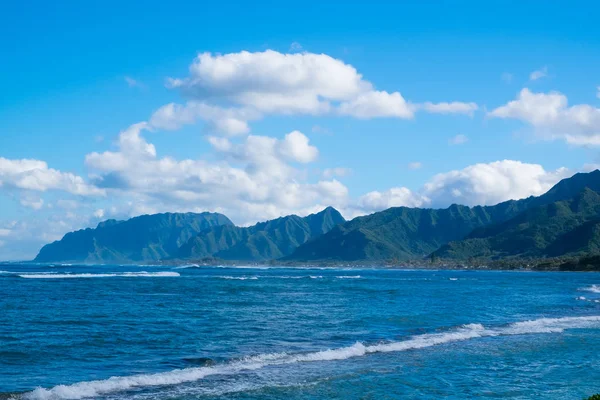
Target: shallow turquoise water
{"x": 246, "y": 333}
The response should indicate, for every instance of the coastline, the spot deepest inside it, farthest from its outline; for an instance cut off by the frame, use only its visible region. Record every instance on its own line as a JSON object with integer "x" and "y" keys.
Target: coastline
{"x": 590, "y": 263}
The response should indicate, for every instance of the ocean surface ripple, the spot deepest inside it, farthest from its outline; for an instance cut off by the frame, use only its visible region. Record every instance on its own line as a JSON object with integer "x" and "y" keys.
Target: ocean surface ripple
{"x": 127, "y": 332}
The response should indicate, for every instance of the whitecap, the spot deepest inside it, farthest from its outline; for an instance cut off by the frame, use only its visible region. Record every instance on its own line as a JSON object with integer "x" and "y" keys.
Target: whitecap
{"x": 239, "y": 278}
{"x": 187, "y": 266}
{"x": 348, "y": 277}
{"x": 593, "y": 289}
{"x": 143, "y": 274}
{"x": 465, "y": 332}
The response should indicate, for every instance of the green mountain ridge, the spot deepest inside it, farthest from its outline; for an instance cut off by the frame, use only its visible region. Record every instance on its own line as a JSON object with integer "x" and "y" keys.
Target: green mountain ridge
{"x": 403, "y": 233}
{"x": 143, "y": 238}
{"x": 264, "y": 241}
{"x": 565, "y": 220}
{"x": 566, "y": 227}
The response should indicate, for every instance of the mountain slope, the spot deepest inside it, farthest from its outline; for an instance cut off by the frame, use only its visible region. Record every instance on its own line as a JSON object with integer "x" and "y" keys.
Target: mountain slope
{"x": 143, "y": 238}
{"x": 566, "y": 227}
{"x": 411, "y": 233}
{"x": 263, "y": 241}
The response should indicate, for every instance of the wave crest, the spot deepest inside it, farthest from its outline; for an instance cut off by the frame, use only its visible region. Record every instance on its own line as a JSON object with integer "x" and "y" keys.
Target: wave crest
{"x": 465, "y": 332}
{"x": 108, "y": 275}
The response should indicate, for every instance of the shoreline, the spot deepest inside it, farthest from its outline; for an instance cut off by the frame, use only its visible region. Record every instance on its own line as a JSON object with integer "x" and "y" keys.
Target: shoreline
{"x": 499, "y": 266}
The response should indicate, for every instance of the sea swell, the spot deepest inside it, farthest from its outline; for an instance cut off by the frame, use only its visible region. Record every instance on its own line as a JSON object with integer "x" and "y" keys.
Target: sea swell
{"x": 462, "y": 333}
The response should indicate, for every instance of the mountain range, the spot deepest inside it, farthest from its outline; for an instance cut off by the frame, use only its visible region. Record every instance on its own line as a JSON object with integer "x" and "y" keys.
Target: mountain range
{"x": 563, "y": 221}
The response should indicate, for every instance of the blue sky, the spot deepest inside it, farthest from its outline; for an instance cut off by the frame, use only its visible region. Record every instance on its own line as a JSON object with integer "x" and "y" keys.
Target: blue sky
{"x": 359, "y": 105}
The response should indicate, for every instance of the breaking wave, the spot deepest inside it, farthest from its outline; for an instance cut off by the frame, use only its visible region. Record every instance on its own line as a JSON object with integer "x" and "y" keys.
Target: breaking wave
{"x": 238, "y": 278}
{"x": 187, "y": 266}
{"x": 593, "y": 289}
{"x": 108, "y": 275}
{"x": 463, "y": 333}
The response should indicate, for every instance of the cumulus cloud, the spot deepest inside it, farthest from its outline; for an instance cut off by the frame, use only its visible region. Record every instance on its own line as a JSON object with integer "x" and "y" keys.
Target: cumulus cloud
{"x": 455, "y": 107}
{"x": 458, "y": 139}
{"x": 270, "y": 82}
{"x": 394, "y": 197}
{"x": 488, "y": 184}
{"x": 35, "y": 203}
{"x": 552, "y": 117}
{"x": 228, "y": 121}
{"x": 273, "y": 82}
{"x": 256, "y": 178}
{"x": 539, "y": 74}
{"x": 377, "y": 104}
{"x": 35, "y": 175}
{"x": 478, "y": 184}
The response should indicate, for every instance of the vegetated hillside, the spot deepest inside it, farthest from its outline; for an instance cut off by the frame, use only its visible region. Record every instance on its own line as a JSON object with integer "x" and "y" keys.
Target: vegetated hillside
{"x": 410, "y": 233}
{"x": 143, "y": 238}
{"x": 567, "y": 227}
{"x": 264, "y": 241}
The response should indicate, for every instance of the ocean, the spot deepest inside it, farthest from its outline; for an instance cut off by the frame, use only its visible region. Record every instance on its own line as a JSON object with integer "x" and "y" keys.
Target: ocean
{"x": 190, "y": 332}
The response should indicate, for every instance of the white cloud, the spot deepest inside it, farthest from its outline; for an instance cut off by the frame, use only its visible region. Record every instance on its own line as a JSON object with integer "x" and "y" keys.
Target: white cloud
{"x": 598, "y": 93}
{"x": 374, "y": 104}
{"x": 270, "y": 82}
{"x": 458, "y": 139}
{"x": 295, "y": 147}
{"x": 552, "y": 117}
{"x": 99, "y": 213}
{"x": 35, "y": 175}
{"x": 255, "y": 180}
{"x": 4, "y": 232}
{"x": 394, "y": 197}
{"x": 338, "y": 171}
{"x": 488, "y": 184}
{"x": 478, "y": 184}
{"x": 228, "y": 121}
{"x": 32, "y": 202}
{"x": 539, "y": 74}
{"x": 455, "y": 107}
{"x": 415, "y": 165}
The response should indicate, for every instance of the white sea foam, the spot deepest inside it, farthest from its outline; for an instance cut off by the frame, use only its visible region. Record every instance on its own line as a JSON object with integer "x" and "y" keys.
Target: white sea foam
{"x": 107, "y": 275}
{"x": 348, "y": 277}
{"x": 26, "y": 272}
{"x": 593, "y": 289}
{"x": 238, "y": 278}
{"x": 465, "y": 332}
{"x": 187, "y": 266}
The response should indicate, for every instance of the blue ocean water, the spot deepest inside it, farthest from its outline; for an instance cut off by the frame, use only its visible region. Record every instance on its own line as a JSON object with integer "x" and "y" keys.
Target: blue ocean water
{"x": 125, "y": 332}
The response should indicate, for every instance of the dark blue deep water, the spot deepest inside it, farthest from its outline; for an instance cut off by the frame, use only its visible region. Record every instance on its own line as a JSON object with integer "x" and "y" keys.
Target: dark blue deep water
{"x": 124, "y": 332}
